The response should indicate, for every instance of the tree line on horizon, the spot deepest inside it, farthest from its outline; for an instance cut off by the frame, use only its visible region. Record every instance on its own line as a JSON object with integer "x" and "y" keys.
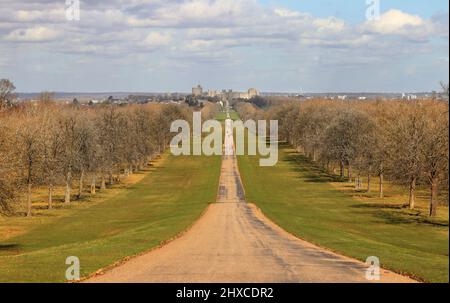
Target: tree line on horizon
{"x": 405, "y": 142}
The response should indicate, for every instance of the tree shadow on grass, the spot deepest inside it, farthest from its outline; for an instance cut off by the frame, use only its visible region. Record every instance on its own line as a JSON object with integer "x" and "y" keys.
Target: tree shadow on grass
{"x": 58, "y": 205}
{"x": 9, "y": 248}
{"x": 309, "y": 171}
{"x": 398, "y": 214}
{"x": 380, "y": 206}
{"x": 41, "y": 212}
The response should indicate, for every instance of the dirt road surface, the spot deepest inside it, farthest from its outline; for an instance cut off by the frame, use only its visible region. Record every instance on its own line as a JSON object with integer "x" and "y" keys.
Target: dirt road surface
{"x": 234, "y": 242}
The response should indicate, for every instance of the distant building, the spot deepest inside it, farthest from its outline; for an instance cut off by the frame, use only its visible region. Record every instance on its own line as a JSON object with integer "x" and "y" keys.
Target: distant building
{"x": 227, "y": 94}
{"x": 197, "y": 90}
{"x": 235, "y": 95}
{"x": 244, "y": 96}
{"x": 252, "y": 92}
{"x": 344, "y": 97}
{"x": 212, "y": 93}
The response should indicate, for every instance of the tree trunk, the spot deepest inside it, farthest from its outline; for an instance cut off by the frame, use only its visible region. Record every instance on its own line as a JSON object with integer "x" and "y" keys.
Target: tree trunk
{"x": 68, "y": 184}
{"x": 80, "y": 186}
{"x": 349, "y": 172}
{"x": 381, "y": 191}
{"x": 314, "y": 154}
{"x": 50, "y": 196}
{"x": 103, "y": 183}
{"x": 111, "y": 178}
{"x": 93, "y": 185}
{"x": 433, "y": 197}
{"x": 341, "y": 167}
{"x": 29, "y": 200}
{"x": 412, "y": 193}
{"x": 368, "y": 183}
{"x": 358, "y": 182}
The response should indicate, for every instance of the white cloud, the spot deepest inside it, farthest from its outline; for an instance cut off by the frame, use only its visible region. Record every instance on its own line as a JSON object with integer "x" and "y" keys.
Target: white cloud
{"x": 220, "y": 32}
{"x": 51, "y": 15}
{"x": 286, "y": 13}
{"x": 156, "y": 39}
{"x": 33, "y": 34}
{"x": 246, "y": 22}
{"x": 329, "y": 25}
{"x": 397, "y": 22}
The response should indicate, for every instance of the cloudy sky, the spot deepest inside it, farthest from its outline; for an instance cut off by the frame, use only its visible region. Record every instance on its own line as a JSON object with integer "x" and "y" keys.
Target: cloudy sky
{"x": 170, "y": 45}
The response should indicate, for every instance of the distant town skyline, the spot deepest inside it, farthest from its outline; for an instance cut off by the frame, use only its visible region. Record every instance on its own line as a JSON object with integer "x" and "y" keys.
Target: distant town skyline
{"x": 275, "y": 46}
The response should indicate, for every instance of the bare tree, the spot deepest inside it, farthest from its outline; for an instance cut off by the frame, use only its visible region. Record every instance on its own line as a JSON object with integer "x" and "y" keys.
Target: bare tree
{"x": 108, "y": 124}
{"x": 406, "y": 141}
{"x": 28, "y": 136}
{"x": 52, "y": 143}
{"x": 444, "y": 87}
{"x": 376, "y": 151}
{"x": 6, "y": 92}
{"x": 436, "y": 150}
{"x": 143, "y": 136}
{"x": 69, "y": 128}
{"x": 346, "y": 137}
{"x": 85, "y": 152}
{"x": 90, "y": 157}
{"x": 8, "y": 166}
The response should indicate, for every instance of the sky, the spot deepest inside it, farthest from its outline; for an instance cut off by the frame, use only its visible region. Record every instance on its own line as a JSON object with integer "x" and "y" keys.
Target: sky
{"x": 274, "y": 46}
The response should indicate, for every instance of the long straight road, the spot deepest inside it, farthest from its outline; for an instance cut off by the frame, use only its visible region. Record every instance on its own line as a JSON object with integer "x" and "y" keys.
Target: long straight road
{"x": 234, "y": 242}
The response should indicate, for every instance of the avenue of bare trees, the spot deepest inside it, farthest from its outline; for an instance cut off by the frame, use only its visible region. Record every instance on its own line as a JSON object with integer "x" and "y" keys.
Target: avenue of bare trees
{"x": 80, "y": 149}
{"x": 405, "y": 142}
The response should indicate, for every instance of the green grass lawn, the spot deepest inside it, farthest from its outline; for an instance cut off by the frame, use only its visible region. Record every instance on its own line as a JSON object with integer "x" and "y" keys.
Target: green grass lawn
{"x": 299, "y": 197}
{"x": 221, "y": 116}
{"x": 157, "y": 208}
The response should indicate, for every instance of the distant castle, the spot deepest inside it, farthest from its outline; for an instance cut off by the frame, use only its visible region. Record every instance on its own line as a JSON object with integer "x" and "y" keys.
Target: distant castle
{"x": 197, "y": 91}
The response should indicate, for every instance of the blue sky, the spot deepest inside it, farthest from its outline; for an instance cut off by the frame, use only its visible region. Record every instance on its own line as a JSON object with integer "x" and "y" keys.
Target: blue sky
{"x": 353, "y": 10}
{"x": 287, "y": 45}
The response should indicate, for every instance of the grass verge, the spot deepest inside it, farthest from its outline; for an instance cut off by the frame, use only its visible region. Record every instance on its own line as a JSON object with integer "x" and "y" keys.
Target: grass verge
{"x": 137, "y": 218}
{"x": 222, "y": 116}
{"x": 300, "y": 198}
